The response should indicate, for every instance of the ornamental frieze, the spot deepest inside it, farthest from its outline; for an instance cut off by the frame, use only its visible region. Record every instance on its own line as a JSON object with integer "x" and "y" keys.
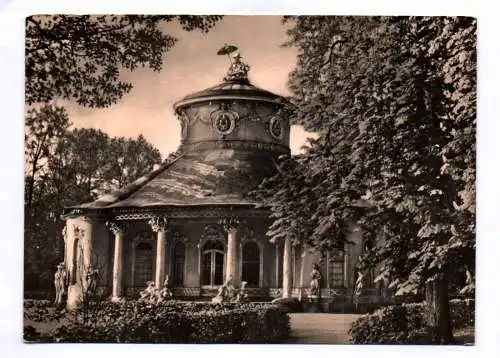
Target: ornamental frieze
{"x": 211, "y": 232}
{"x": 235, "y": 144}
{"x": 245, "y": 110}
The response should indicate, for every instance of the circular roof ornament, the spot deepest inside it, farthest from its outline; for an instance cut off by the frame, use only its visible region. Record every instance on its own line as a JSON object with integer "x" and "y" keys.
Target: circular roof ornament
{"x": 276, "y": 127}
{"x": 224, "y": 120}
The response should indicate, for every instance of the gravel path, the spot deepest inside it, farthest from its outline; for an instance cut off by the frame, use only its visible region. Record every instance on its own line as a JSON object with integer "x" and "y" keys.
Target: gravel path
{"x": 321, "y": 328}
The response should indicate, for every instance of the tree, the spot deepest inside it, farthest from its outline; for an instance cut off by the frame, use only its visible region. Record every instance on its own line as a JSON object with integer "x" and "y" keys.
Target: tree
{"x": 393, "y": 100}
{"x": 132, "y": 159}
{"x": 80, "y": 57}
{"x": 43, "y": 127}
{"x": 84, "y": 164}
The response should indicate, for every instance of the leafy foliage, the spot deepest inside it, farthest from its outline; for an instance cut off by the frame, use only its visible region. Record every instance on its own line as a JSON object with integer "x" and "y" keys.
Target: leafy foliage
{"x": 171, "y": 321}
{"x": 72, "y": 167}
{"x": 393, "y": 102}
{"x": 80, "y": 57}
{"x": 405, "y": 324}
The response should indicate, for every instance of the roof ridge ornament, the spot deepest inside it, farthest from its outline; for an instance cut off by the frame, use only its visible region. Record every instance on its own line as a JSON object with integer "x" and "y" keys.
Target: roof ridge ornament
{"x": 238, "y": 70}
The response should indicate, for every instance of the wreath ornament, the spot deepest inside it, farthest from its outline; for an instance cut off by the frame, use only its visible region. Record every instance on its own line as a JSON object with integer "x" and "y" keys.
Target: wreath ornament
{"x": 276, "y": 127}
{"x": 224, "y": 120}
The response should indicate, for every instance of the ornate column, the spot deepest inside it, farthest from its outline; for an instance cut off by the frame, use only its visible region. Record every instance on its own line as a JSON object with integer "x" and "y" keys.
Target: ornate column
{"x": 302, "y": 262}
{"x": 118, "y": 230}
{"x": 277, "y": 262}
{"x": 287, "y": 269}
{"x": 159, "y": 225}
{"x": 231, "y": 224}
{"x": 346, "y": 268}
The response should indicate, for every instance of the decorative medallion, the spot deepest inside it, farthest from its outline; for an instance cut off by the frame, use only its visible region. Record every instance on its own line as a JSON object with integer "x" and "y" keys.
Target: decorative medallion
{"x": 276, "y": 127}
{"x": 211, "y": 232}
{"x": 224, "y": 120}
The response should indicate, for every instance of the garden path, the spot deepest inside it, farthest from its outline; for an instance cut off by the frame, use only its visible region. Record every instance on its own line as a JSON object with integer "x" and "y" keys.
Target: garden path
{"x": 320, "y": 328}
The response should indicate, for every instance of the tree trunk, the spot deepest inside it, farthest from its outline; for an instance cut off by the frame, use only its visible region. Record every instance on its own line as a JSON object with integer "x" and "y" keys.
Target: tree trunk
{"x": 438, "y": 316}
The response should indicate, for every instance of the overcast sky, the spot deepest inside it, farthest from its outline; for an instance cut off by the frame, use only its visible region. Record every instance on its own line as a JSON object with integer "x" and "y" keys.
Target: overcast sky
{"x": 192, "y": 65}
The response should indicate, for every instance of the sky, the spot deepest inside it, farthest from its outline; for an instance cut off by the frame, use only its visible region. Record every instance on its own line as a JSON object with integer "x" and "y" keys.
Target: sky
{"x": 193, "y": 65}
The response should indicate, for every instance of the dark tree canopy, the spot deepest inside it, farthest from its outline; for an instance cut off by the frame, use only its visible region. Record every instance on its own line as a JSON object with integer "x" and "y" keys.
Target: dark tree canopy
{"x": 67, "y": 167}
{"x": 80, "y": 57}
{"x": 393, "y": 102}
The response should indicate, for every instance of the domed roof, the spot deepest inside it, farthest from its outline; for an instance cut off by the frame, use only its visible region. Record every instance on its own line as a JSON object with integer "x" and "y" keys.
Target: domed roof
{"x": 235, "y": 86}
{"x": 234, "y": 89}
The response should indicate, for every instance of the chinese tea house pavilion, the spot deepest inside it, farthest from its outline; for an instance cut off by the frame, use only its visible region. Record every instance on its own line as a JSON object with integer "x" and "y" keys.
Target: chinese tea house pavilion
{"x": 191, "y": 219}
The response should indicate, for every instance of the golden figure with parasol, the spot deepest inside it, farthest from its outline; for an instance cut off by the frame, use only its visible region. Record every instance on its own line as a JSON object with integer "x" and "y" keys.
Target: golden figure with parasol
{"x": 239, "y": 69}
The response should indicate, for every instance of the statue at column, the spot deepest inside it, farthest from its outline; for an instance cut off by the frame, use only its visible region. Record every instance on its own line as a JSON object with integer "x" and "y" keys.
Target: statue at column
{"x": 165, "y": 292}
{"x": 314, "y": 286}
{"x": 242, "y": 295}
{"x": 149, "y": 293}
{"x": 60, "y": 279}
{"x": 358, "y": 289}
{"x": 225, "y": 293}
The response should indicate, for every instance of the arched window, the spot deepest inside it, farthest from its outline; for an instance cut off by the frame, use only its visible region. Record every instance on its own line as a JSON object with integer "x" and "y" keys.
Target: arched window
{"x": 143, "y": 270}
{"x": 77, "y": 263}
{"x": 179, "y": 259}
{"x": 370, "y": 273}
{"x": 251, "y": 264}
{"x": 336, "y": 268}
{"x": 213, "y": 263}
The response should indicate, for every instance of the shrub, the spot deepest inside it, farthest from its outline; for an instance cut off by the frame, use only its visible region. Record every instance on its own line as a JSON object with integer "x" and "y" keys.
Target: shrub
{"x": 41, "y": 311}
{"x": 172, "y": 322}
{"x": 462, "y": 313}
{"x": 404, "y": 324}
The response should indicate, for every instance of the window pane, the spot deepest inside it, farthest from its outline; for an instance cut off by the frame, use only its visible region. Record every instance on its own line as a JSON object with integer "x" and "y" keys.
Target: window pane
{"x": 179, "y": 258}
{"x": 143, "y": 264}
{"x": 336, "y": 269}
{"x": 219, "y": 268}
{"x": 207, "y": 268}
{"x": 251, "y": 264}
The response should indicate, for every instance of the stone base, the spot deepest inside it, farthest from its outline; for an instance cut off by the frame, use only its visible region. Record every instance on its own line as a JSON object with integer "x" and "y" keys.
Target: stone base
{"x": 289, "y": 304}
{"x": 311, "y": 304}
{"x": 74, "y": 296}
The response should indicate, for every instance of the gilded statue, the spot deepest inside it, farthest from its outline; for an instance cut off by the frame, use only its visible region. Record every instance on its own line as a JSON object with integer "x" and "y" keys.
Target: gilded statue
{"x": 60, "y": 280}
{"x": 314, "y": 286}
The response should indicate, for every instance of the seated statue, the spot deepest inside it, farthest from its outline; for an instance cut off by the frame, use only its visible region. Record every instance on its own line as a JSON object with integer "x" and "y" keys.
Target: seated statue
{"x": 165, "y": 292}
{"x": 238, "y": 70}
{"x": 225, "y": 293}
{"x": 241, "y": 295}
{"x": 315, "y": 278}
{"x": 149, "y": 293}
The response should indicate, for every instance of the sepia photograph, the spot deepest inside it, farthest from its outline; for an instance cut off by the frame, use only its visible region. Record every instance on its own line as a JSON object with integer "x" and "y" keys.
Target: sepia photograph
{"x": 250, "y": 179}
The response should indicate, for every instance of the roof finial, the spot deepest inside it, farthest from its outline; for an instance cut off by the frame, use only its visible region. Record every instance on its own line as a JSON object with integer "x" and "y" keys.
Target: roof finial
{"x": 239, "y": 69}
